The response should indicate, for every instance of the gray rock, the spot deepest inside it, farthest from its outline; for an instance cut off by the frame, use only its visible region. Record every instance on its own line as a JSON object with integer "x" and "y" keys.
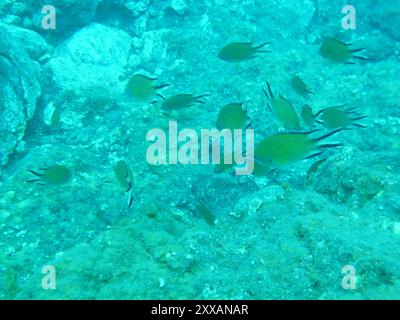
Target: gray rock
{"x": 19, "y": 90}
{"x": 95, "y": 56}
{"x": 30, "y": 41}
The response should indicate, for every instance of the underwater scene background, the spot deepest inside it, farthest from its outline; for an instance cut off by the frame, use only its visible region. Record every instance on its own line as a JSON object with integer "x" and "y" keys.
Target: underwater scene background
{"x": 78, "y": 198}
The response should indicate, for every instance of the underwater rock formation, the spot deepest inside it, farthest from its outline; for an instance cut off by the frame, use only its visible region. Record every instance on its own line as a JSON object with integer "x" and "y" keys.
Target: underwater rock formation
{"x": 34, "y": 45}
{"x": 19, "y": 76}
{"x": 94, "y": 56}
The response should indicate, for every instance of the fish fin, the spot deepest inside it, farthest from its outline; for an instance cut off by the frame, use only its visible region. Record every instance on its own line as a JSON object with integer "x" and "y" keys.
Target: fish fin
{"x": 129, "y": 187}
{"x": 359, "y": 125}
{"x": 37, "y": 182}
{"x": 35, "y": 173}
{"x": 266, "y": 93}
{"x": 269, "y": 107}
{"x": 161, "y": 96}
{"x": 330, "y": 145}
{"x": 319, "y": 112}
{"x": 269, "y": 90}
{"x": 361, "y": 58}
{"x": 351, "y": 110}
{"x": 359, "y": 118}
{"x": 130, "y": 199}
{"x": 262, "y": 45}
{"x": 161, "y": 86}
{"x": 319, "y": 121}
{"x": 349, "y": 62}
{"x": 202, "y": 96}
{"x": 165, "y": 113}
{"x": 328, "y": 134}
{"x": 357, "y": 50}
{"x": 263, "y": 51}
{"x": 310, "y": 132}
{"x": 313, "y": 155}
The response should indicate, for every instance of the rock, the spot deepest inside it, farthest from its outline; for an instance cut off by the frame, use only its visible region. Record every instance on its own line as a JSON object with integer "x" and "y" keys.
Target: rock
{"x": 136, "y": 7}
{"x": 179, "y": 6}
{"x": 19, "y": 90}
{"x": 30, "y": 41}
{"x": 95, "y": 56}
{"x": 273, "y": 16}
{"x": 385, "y": 15}
{"x": 341, "y": 181}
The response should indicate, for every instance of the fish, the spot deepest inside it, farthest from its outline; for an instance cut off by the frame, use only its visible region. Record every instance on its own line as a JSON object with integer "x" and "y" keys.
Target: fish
{"x": 205, "y": 213}
{"x": 123, "y": 175}
{"x": 232, "y": 116}
{"x": 282, "y": 109}
{"x": 125, "y": 179}
{"x": 180, "y": 101}
{"x": 55, "y": 117}
{"x": 340, "y": 52}
{"x": 240, "y": 51}
{"x": 307, "y": 116}
{"x": 286, "y": 148}
{"x": 300, "y": 87}
{"x": 54, "y": 175}
{"x": 337, "y": 117}
{"x": 313, "y": 169}
{"x": 143, "y": 88}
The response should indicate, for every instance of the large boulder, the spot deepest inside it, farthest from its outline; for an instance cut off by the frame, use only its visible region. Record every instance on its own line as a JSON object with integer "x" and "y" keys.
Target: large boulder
{"x": 34, "y": 44}
{"x": 19, "y": 90}
{"x": 95, "y": 56}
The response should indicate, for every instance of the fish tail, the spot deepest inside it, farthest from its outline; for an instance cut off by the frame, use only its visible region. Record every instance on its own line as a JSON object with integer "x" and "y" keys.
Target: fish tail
{"x": 262, "y": 45}
{"x": 328, "y": 134}
{"x": 359, "y": 125}
{"x": 130, "y": 199}
{"x": 35, "y": 173}
{"x": 361, "y": 58}
{"x": 161, "y": 96}
{"x": 357, "y": 50}
{"x": 162, "y": 86}
{"x": 202, "y": 96}
{"x": 313, "y": 155}
{"x": 268, "y": 94}
{"x": 359, "y": 118}
{"x": 311, "y": 131}
{"x": 330, "y": 145}
{"x": 319, "y": 112}
{"x": 129, "y": 187}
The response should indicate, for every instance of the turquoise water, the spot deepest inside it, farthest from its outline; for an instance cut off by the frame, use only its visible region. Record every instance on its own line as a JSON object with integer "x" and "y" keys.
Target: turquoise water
{"x": 86, "y": 214}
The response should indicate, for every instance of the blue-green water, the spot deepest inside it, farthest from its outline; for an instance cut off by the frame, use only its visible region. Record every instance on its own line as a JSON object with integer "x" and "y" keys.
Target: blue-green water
{"x": 84, "y": 214}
